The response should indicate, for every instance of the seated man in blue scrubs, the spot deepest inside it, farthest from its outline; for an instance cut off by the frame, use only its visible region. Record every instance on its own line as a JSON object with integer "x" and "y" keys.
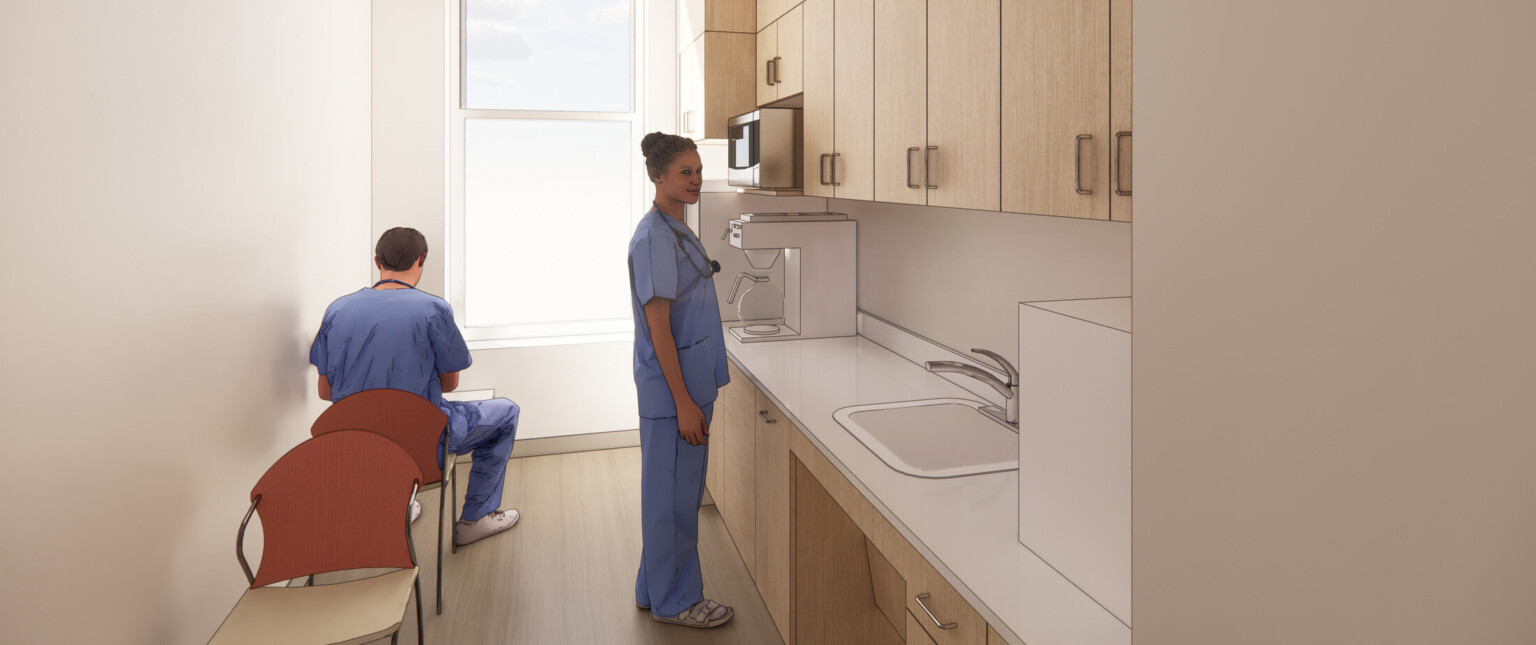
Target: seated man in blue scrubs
{"x": 393, "y": 336}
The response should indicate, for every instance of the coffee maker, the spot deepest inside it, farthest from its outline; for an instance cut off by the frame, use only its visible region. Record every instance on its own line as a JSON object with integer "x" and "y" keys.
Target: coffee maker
{"x": 820, "y": 272}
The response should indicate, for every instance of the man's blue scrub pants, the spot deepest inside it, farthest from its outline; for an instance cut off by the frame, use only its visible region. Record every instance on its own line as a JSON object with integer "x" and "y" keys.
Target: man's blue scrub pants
{"x": 671, "y": 489}
{"x": 490, "y": 441}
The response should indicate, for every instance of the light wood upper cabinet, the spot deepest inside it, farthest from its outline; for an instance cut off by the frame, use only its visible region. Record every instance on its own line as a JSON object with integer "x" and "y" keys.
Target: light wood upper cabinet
{"x": 767, "y": 55}
{"x": 817, "y": 144}
{"x": 1120, "y": 110}
{"x": 778, "y": 59}
{"x": 901, "y": 100}
{"x": 771, "y": 10}
{"x": 715, "y": 83}
{"x": 963, "y": 104}
{"x": 694, "y": 17}
{"x": 852, "y": 169}
{"x": 772, "y": 479}
{"x": 789, "y": 76}
{"x": 839, "y": 98}
{"x": 1059, "y": 120}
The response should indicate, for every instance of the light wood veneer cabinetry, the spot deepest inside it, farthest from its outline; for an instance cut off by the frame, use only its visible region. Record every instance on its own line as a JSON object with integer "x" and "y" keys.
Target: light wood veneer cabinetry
{"x": 839, "y": 99}
{"x": 717, "y": 42}
{"x": 936, "y": 103}
{"x": 779, "y": 68}
{"x": 829, "y": 566}
{"x": 1067, "y": 108}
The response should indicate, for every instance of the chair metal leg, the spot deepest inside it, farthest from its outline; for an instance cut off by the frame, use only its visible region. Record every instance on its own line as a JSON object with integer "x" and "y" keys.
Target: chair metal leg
{"x": 442, "y": 507}
{"x": 394, "y": 639}
{"x": 421, "y": 634}
{"x": 453, "y": 504}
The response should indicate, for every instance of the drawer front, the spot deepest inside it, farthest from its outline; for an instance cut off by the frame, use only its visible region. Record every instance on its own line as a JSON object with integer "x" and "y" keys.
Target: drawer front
{"x": 915, "y": 633}
{"x": 946, "y": 605}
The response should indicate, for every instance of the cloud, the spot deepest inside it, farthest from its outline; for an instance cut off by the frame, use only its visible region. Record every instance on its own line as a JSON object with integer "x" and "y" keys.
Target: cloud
{"x": 482, "y": 78}
{"x": 498, "y": 10}
{"x": 616, "y": 13}
{"x": 496, "y": 42}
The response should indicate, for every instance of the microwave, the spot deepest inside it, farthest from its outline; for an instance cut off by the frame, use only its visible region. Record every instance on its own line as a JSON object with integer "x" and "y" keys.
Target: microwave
{"x": 764, "y": 149}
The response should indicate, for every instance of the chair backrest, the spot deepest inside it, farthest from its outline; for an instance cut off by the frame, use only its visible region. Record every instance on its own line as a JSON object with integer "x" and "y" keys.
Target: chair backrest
{"x": 411, "y": 421}
{"x": 338, "y": 501}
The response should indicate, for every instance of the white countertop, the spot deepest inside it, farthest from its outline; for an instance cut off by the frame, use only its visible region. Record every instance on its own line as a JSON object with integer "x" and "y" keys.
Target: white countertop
{"x": 966, "y": 527}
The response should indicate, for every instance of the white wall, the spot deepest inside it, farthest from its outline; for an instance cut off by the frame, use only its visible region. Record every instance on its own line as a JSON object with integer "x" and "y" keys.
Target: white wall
{"x": 562, "y": 389}
{"x": 956, "y": 276}
{"x": 1335, "y": 264}
{"x": 184, "y": 188}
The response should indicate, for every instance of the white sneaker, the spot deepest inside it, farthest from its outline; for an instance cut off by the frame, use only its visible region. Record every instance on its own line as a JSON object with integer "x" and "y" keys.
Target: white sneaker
{"x": 415, "y": 510}
{"x": 494, "y": 522}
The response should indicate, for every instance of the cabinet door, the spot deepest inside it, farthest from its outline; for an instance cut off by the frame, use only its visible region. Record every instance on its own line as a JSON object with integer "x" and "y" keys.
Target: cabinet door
{"x": 818, "y": 113}
{"x": 771, "y": 10}
{"x": 963, "y": 103}
{"x": 901, "y": 100}
{"x": 772, "y": 485}
{"x": 728, "y": 89}
{"x": 853, "y": 169}
{"x": 767, "y": 50}
{"x": 1120, "y": 110}
{"x": 790, "y": 78}
{"x": 690, "y": 81}
{"x": 731, "y": 448}
{"x": 739, "y": 16}
{"x": 1056, "y": 93}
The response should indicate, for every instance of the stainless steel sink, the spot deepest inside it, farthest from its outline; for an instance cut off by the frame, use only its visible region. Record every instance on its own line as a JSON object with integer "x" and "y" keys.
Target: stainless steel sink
{"x": 933, "y": 438}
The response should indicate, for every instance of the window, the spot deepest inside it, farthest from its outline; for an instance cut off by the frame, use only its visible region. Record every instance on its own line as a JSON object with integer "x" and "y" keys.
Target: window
{"x": 545, "y": 174}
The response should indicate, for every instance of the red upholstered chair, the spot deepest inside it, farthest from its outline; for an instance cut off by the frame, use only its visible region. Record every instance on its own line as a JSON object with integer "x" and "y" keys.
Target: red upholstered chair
{"x": 331, "y": 503}
{"x": 415, "y": 424}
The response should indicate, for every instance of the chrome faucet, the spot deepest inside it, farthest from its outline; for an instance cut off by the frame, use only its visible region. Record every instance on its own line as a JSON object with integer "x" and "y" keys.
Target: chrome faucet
{"x": 1009, "y": 390}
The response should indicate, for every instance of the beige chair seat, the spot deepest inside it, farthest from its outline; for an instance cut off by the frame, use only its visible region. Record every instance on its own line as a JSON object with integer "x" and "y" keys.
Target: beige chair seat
{"x": 323, "y": 614}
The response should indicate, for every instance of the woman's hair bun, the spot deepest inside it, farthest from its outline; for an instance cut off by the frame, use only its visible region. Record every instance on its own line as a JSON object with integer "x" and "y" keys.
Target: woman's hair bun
{"x": 651, "y": 144}
{"x": 659, "y": 148}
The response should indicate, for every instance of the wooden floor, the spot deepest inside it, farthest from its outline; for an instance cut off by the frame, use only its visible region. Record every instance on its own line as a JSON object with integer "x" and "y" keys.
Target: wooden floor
{"x": 566, "y": 572}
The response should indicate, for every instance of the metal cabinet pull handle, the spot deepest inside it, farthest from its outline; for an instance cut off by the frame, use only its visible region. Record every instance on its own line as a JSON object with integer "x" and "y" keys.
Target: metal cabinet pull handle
{"x": 776, "y": 79}
{"x": 1077, "y": 165}
{"x": 928, "y": 173}
{"x": 761, "y": 415}
{"x": 821, "y": 170}
{"x": 920, "y": 598}
{"x": 768, "y": 72}
{"x": 1115, "y": 160}
{"x": 835, "y": 155}
{"x": 909, "y": 167}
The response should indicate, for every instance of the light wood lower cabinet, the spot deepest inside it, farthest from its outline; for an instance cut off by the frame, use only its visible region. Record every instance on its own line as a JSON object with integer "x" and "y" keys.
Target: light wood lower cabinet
{"x": 829, "y": 566}
{"x": 772, "y": 478}
{"x": 730, "y": 475}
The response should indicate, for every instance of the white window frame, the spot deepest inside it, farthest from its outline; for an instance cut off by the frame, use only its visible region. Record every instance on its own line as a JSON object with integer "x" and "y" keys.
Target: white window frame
{"x": 554, "y": 332}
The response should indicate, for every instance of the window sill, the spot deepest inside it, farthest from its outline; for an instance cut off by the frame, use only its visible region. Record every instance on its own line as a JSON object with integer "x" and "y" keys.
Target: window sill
{"x": 542, "y": 341}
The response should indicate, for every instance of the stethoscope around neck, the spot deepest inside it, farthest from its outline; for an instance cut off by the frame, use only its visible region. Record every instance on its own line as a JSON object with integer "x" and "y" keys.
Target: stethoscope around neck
{"x": 711, "y": 267}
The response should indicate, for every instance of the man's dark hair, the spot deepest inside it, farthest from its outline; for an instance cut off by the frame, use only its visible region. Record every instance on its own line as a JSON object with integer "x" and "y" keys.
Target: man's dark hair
{"x": 399, "y": 248}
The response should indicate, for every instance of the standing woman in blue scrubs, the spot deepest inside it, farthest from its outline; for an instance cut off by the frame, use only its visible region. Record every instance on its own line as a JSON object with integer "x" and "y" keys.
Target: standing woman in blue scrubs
{"x": 679, "y": 367}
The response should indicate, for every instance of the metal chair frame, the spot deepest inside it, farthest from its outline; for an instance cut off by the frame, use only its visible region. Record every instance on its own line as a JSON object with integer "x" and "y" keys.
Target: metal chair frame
{"x": 394, "y": 639}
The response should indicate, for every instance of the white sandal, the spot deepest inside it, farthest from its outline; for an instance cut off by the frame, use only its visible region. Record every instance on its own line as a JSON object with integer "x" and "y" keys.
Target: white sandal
{"x": 704, "y": 615}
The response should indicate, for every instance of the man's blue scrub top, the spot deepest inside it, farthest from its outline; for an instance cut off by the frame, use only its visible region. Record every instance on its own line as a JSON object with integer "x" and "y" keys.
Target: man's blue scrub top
{"x": 392, "y": 338}
{"x": 661, "y": 265}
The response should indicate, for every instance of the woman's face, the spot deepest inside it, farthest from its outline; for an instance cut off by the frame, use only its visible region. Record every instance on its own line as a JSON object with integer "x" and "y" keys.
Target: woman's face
{"x": 682, "y": 179}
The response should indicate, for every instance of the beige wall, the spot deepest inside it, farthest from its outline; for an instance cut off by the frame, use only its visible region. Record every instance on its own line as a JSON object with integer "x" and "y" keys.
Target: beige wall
{"x": 1335, "y": 266}
{"x": 956, "y": 276}
{"x": 182, "y": 186}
